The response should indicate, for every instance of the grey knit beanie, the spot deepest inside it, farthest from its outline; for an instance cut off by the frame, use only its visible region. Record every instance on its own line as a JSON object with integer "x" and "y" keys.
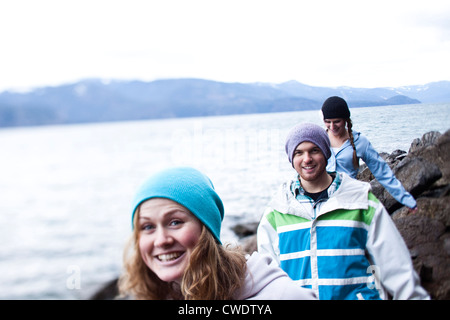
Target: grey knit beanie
{"x": 307, "y": 132}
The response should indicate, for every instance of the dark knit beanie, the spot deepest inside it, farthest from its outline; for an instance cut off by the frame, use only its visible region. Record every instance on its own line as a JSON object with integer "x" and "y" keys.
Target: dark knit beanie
{"x": 307, "y": 132}
{"x": 334, "y": 108}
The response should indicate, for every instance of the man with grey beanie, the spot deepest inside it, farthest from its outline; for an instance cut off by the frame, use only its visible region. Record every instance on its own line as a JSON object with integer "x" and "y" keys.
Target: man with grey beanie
{"x": 329, "y": 233}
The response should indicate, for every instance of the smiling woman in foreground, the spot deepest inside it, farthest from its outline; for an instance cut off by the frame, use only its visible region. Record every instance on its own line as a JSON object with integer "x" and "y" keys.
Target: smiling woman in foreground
{"x": 175, "y": 251}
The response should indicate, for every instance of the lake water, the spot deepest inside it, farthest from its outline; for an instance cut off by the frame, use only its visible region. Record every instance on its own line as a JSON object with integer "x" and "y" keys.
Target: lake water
{"x": 66, "y": 191}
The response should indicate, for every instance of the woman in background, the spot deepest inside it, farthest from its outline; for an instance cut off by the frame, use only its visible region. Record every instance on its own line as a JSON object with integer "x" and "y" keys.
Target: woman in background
{"x": 175, "y": 251}
{"x": 348, "y": 146}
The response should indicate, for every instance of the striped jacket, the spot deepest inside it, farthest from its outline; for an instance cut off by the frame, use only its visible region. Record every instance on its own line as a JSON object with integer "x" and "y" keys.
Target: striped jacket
{"x": 343, "y": 247}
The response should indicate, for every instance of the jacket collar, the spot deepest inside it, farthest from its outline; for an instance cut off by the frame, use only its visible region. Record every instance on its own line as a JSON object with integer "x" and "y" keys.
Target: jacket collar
{"x": 298, "y": 191}
{"x": 347, "y": 193}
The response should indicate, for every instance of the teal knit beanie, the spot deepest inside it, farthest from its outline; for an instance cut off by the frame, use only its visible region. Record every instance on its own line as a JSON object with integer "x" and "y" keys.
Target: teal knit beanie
{"x": 188, "y": 187}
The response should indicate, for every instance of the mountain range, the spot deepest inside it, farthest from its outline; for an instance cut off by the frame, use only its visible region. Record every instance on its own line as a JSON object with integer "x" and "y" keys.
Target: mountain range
{"x": 96, "y": 100}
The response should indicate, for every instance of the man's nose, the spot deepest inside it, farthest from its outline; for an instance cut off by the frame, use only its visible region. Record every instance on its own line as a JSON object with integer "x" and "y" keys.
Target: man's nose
{"x": 307, "y": 157}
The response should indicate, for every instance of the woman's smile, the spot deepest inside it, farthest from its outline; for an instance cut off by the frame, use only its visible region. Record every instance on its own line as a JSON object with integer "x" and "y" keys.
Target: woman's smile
{"x": 169, "y": 256}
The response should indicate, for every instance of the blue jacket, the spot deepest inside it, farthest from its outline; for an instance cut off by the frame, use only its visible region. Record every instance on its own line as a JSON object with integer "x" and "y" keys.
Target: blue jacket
{"x": 342, "y": 162}
{"x": 343, "y": 247}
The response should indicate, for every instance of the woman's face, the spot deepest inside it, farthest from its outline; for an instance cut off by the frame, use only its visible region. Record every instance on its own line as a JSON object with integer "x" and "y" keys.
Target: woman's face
{"x": 168, "y": 233}
{"x": 336, "y": 126}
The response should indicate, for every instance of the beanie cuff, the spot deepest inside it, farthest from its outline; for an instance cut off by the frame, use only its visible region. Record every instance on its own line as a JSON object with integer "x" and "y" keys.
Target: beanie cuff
{"x": 335, "y": 108}
{"x": 191, "y": 189}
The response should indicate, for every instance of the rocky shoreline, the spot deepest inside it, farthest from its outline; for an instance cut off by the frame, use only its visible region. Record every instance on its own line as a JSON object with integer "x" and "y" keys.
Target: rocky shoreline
{"x": 427, "y": 231}
{"x": 425, "y": 172}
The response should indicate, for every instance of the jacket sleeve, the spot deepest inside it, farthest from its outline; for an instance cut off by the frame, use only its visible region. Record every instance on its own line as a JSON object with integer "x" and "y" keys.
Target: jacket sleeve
{"x": 391, "y": 259}
{"x": 265, "y": 280}
{"x": 384, "y": 174}
{"x": 267, "y": 237}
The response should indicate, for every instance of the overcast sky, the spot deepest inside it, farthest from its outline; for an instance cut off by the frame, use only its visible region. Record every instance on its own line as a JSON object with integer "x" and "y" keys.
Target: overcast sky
{"x": 322, "y": 42}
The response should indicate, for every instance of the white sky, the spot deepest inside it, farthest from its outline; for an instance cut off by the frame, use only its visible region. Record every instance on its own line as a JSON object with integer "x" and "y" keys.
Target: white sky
{"x": 321, "y": 42}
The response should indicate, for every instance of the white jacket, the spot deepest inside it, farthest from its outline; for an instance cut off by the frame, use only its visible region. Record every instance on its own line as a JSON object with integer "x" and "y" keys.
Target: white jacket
{"x": 340, "y": 247}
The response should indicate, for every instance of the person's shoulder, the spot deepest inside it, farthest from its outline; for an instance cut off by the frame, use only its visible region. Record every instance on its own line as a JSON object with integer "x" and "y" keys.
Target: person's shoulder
{"x": 257, "y": 259}
{"x": 358, "y": 136}
{"x": 361, "y": 141}
{"x": 353, "y": 188}
{"x": 268, "y": 281}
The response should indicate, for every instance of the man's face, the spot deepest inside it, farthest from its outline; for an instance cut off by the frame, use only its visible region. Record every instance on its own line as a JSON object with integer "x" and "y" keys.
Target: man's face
{"x": 309, "y": 161}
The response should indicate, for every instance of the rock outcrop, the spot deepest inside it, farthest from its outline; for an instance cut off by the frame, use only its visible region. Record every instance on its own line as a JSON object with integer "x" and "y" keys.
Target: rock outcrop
{"x": 421, "y": 170}
{"x": 427, "y": 230}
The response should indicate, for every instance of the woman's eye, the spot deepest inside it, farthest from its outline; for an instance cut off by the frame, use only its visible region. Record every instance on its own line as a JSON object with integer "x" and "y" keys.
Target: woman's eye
{"x": 147, "y": 227}
{"x": 176, "y": 222}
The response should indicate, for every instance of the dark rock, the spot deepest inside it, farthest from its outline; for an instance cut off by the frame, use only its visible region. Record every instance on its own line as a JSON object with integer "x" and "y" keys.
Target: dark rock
{"x": 365, "y": 174}
{"x": 416, "y": 174}
{"x": 395, "y": 157}
{"x": 437, "y": 153}
{"x": 428, "y": 139}
{"x": 249, "y": 244}
{"x": 243, "y": 230}
{"x": 109, "y": 291}
{"x": 247, "y": 236}
{"x": 427, "y": 231}
{"x": 418, "y": 230}
{"x": 426, "y": 273}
